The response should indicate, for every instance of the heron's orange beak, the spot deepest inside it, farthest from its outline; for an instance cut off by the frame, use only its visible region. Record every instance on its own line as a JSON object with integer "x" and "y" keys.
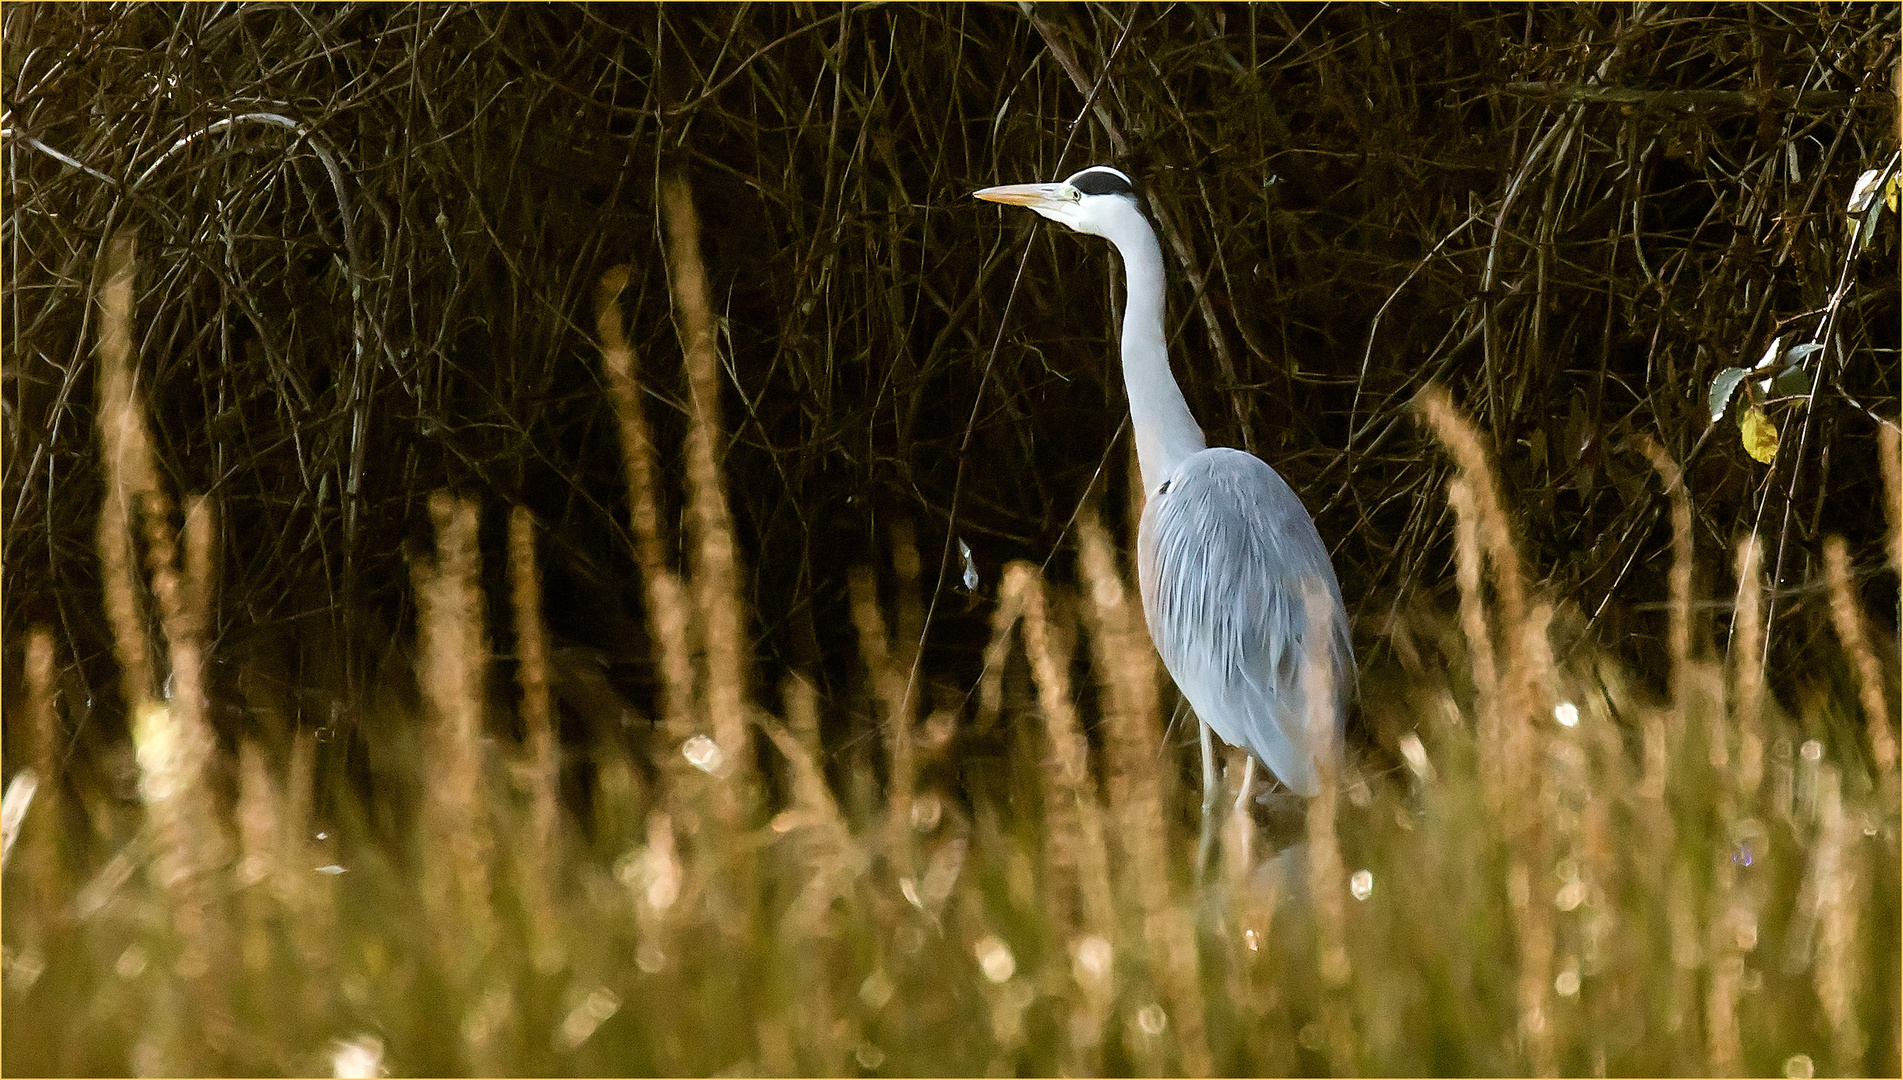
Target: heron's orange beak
{"x": 1031, "y": 195}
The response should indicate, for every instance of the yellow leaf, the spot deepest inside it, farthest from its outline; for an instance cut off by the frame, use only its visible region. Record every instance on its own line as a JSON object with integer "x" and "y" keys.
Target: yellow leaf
{"x": 1892, "y": 191}
{"x": 1760, "y": 434}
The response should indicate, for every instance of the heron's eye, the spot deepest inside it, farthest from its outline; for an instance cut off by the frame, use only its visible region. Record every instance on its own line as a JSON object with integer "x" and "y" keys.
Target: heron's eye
{"x": 1163, "y": 488}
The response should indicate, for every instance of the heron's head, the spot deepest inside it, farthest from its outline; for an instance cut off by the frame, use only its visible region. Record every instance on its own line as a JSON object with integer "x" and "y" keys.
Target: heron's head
{"x": 1089, "y": 201}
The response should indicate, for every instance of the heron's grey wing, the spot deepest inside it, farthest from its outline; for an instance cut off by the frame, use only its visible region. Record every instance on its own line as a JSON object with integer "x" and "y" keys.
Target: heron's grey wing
{"x": 1225, "y": 550}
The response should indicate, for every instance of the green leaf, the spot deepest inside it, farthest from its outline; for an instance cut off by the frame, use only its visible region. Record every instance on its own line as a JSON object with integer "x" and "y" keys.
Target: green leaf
{"x": 1791, "y": 381}
{"x": 1868, "y": 229}
{"x": 1722, "y": 387}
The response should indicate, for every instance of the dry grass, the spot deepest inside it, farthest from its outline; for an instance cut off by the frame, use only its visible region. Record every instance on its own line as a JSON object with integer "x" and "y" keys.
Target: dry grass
{"x": 667, "y": 604}
{"x": 543, "y": 839}
{"x": 715, "y": 579}
{"x": 339, "y": 830}
{"x": 457, "y": 833}
{"x": 1847, "y": 617}
{"x": 1555, "y": 903}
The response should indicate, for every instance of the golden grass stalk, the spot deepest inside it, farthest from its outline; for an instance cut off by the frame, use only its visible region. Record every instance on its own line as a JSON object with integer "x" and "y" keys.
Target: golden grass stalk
{"x": 1513, "y": 779}
{"x": 666, "y": 596}
{"x": 1127, "y": 667}
{"x": 42, "y": 738}
{"x": 1250, "y": 903}
{"x": 134, "y": 498}
{"x": 35, "y": 789}
{"x": 1076, "y": 834}
{"x": 173, "y": 743}
{"x": 658, "y": 880}
{"x": 1505, "y": 730}
{"x": 543, "y": 842}
{"x": 909, "y": 626}
{"x": 130, "y": 474}
{"x": 1585, "y": 781}
{"x": 1249, "y": 906}
{"x": 1532, "y": 848}
{"x": 184, "y": 608}
{"x": 201, "y": 573}
{"x": 813, "y": 800}
{"x": 1536, "y": 655}
{"x": 716, "y": 558}
{"x": 1839, "y": 897}
{"x": 1532, "y": 922}
{"x": 1846, "y": 616}
{"x": 1464, "y": 443}
{"x": 1678, "y": 632}
{"x": 1747, "y": 671}
{"x": 679, "y": 616}
{"x": 1724, "y": 1044}
{"x": 1731, "y": 912}
{"x": 1473, "y": 624}
{"x": 826, "y": 848}
{"x": 451, "y": 657}
{"x": 890, "y": 685}
{"x": 1125, "y": 663}
{"x": 117, "y": 564}
{"x": 1004, "y": 619}
{"x": 1890, "y": 458}
{"x": 1327, "y": 873}
{"x": 831, "y": 861}
{"x": 801, "y": 700}
{"x": 1077, "y": 843}
{"x": 1696, "y": 688}
{"x": 1137, "y": 779}
{"x": 1507, "y": 743}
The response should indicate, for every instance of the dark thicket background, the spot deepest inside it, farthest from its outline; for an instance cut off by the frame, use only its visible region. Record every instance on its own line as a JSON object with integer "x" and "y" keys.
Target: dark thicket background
{"x": 370, "y": 237}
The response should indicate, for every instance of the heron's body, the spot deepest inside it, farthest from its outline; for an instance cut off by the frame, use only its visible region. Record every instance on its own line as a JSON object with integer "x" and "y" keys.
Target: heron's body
{"x": 1226, "y": 552}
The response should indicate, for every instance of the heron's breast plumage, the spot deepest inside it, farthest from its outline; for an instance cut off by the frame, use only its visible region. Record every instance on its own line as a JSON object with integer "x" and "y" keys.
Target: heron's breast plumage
{"x": 1226, "y": 551}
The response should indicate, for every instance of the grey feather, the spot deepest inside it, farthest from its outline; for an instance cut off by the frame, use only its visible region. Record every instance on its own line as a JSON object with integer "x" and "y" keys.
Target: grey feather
{"x": 1225, "y": 552}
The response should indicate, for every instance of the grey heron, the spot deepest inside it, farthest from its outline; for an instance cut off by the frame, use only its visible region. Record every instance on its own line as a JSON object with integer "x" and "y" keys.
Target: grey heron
{"x": 1225, "y": 548}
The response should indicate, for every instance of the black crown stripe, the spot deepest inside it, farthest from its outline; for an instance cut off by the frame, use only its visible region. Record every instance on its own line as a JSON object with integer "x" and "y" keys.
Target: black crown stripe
{"x": 1101, "y": 181}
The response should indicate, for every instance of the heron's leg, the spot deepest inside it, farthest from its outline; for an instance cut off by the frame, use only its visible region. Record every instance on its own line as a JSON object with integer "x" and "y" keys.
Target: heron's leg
{"x": 1206, "y": 843}
{"x": 1248, "y": 785}
{"x": 1209, "y": 768}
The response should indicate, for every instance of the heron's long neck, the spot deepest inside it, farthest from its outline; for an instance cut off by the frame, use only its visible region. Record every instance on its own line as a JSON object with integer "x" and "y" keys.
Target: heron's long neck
{"x": 1166, "y": 432}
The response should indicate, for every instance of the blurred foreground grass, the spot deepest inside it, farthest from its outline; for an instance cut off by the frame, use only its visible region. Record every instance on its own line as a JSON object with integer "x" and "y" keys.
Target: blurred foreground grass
{"x": 1563, "y": 875}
